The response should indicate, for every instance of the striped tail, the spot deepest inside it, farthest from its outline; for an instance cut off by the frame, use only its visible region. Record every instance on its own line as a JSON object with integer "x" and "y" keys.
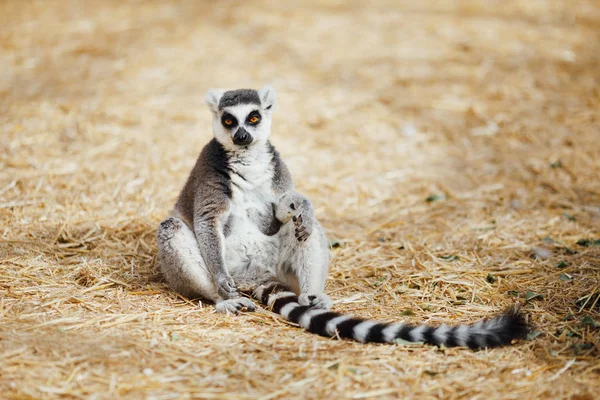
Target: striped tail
{"x": 495, "y": 332}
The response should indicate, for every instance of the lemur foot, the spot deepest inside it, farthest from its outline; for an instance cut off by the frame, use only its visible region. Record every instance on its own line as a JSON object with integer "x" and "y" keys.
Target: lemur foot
{"x": 234, "y": 306}
{"x": 321, "y": 301}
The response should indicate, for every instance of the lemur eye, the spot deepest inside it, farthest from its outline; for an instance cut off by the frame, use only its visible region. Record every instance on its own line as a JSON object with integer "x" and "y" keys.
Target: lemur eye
{"x": 253, "y": 118}
{"x": 228, "y": 121}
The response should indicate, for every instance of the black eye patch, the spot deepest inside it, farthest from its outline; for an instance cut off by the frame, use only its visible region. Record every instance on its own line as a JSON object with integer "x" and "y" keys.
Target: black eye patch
{"x": 253, "y": 118}
{"x": 229, "y": 121}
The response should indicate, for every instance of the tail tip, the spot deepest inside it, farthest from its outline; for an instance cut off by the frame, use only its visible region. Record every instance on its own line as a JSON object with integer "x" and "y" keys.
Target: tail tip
{"x": 515, "y": 325}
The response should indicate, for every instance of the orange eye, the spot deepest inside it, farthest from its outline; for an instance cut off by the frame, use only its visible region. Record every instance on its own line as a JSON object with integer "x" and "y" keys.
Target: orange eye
{"x": 228, "y": 122}
{"x": 254, "y": 119}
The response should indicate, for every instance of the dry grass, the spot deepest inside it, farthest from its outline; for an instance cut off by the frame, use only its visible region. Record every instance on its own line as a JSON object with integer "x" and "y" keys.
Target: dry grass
{"x": 493, "y": 105}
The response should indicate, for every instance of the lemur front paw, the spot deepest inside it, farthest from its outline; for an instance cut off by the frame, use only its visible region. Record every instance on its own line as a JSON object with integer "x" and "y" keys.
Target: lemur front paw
{"x": 321, "y": 301}
{"x": 226, "y": 287}
{"x": 303, "y": 227}
{"x": 234, "y": 306}
{"x": 298, "y": 208}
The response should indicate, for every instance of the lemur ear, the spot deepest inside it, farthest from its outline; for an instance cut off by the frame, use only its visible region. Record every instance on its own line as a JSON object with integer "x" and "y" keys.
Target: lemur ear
{"x": 267, "y": 96}
{"x": 213, "y": 96}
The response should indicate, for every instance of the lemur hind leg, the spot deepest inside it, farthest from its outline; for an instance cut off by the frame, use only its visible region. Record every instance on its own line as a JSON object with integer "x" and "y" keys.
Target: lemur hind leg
{"x": 304, "y": 257}
{"x": 184, "y": 269}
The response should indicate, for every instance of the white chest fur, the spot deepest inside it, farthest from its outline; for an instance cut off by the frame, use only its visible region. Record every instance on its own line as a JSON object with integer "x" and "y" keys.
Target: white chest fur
{"x": 247, "y": 248}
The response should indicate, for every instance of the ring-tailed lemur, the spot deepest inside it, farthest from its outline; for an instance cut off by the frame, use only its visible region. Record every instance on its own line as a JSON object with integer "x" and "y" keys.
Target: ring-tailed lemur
{"x": 239, "y": 226}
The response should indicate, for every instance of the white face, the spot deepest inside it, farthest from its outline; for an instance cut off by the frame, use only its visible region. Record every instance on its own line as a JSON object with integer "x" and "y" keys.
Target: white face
{"x": 242, "y": 125}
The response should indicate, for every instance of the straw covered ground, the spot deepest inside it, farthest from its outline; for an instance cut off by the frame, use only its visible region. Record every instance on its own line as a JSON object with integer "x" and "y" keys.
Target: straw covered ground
{"x": 451, "y": 150}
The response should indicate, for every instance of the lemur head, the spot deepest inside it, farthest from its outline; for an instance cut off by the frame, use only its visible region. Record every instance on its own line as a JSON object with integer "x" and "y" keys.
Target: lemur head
{"x": 241, "y": 117}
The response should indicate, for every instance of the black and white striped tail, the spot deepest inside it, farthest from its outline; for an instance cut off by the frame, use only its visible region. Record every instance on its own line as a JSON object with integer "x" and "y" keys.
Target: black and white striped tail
{"x": 494, "y": 332}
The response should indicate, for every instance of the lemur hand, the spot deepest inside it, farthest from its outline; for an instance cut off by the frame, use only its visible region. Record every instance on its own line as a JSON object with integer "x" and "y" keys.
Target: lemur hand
{"x": 303, "y": 227}
{"x": 303, "y": 217}
{"x": 298, "y": 208}
{"x": 226, "y": 286}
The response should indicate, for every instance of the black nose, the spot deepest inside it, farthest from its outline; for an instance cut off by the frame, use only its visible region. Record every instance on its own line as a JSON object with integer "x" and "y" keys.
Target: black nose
{"x": 242, "y": 138}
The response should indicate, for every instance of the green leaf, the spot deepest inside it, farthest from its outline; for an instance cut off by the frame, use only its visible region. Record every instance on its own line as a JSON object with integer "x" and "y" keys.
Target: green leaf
{"x": 570, "y": 251}
{"x": 532, "y": 295}
{"x": 568, "y": 317}
{"x": 431, "y": 373}
{"x": 450, "y": 258}
{"x": 490, "y": 278}
{"x": 587, "y": 320}
{"x": 569, "y": 217}
{"x": 513, "y": 293}
{"x": 588, "y": 242}
{"x": 573, "y": 333}
{"x": 556, "y": 164}
{"x": 565, "y": 277}
{"x": 548, "y": 240}
{"x": 174, "y": 336}
{"x": 562, "y": 264}
{"x": 435, "y": 197}
{"x": 579, "y": 348}
{"x": 407, "y": 313}
{"x": 533, "y": 334}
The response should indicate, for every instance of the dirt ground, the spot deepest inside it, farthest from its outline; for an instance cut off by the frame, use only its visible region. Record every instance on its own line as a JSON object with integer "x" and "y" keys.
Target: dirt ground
{"x": 451, "y": 149}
